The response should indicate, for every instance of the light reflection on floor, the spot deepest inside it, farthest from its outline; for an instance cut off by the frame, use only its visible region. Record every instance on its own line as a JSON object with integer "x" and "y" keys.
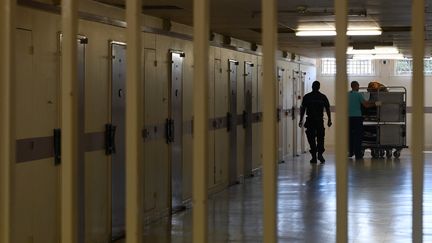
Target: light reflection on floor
{"x": 379, "y": 205}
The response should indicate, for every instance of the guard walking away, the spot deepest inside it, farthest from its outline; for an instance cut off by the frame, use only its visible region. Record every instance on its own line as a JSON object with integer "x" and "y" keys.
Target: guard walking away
{"x": 313, "y": 104}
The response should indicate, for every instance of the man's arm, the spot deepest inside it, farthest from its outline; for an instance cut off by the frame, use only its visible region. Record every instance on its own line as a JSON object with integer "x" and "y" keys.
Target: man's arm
{"x": 367, "y": 104}
{"x": 327, "y": 107}
{"x": 302, "y": 112}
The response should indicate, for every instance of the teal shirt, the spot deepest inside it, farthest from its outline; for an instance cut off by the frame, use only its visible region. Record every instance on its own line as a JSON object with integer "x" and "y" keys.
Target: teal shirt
{"x": 355, "y": 102}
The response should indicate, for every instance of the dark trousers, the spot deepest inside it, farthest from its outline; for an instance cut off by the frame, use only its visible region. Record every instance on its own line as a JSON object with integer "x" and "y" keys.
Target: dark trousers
{"x": 315, "y": 133}
{"x": 355, "y": 136}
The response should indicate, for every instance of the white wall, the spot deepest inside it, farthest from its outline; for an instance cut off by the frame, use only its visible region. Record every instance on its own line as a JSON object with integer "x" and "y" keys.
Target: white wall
{"x": 385, "y": 74}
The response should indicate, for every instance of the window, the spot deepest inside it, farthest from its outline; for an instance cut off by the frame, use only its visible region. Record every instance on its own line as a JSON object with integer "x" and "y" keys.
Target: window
{"x": 328, "y": 66}
{"x": 354, "y": 67}
{"x": 360, "y": 67}
{"x": 404, "y": 67}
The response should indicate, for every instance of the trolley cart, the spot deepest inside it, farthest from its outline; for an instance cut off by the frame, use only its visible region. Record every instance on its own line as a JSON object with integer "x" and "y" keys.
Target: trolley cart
{"x": 385, "y": 125}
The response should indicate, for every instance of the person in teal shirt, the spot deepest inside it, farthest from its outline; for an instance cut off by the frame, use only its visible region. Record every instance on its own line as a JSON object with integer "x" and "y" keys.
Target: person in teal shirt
{"x": 356, "y": 101}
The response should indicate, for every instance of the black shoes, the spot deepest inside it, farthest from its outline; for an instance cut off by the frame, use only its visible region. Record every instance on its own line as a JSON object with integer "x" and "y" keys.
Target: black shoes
{"x": 321, "y": 158}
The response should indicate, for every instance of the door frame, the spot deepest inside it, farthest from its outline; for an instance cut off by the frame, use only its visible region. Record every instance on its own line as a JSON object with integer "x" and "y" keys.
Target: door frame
{"x": 122, "y": 232}
{"x": 175, "y": 128}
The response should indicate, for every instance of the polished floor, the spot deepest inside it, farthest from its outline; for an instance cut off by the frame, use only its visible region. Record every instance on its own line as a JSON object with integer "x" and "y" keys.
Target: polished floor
{"x": 379, "y": 205}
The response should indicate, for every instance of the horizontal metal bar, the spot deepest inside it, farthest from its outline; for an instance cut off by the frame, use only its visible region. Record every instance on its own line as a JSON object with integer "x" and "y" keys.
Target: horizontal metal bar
{"x": 37, "y": 148}
{"x": 409, "y": 109}
{"x": 31, "y": 149}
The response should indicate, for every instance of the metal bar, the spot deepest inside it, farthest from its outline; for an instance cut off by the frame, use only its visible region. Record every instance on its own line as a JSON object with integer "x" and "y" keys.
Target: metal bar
{"x": 417, "y": 127}
{"x": 6, "y": 117}
{"x": 269, "y": 24}
{"x": 133, "y": 78}
{"x": 341, "y": 122}
{"x": 80, "y": 83}
{"x": 69, "y": 105}
{"x": 201, "y": 23}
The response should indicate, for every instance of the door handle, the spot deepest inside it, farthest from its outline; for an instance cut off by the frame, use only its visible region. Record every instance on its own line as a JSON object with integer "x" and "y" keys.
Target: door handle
{"x": 245, "y": 119}
{"x": 169, "y": 130}
{"x": 110, "y": 132}
{"x": 293, "y": 110}
{"x": 57, "y": 146}
{"x": 172, "y": 128}
{"x": 278, "y": 114}
{"x": 228, "y": 121}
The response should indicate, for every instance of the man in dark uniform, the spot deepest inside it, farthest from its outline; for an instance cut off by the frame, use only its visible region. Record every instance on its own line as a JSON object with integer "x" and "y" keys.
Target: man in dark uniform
{"x": 313, "y": 104}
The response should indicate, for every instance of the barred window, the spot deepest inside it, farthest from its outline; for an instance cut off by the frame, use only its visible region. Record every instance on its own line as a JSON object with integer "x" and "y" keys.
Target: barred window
{"x": 328, "y": 66}
{"x": 354, "y": 67}
{"x": 405, "y": 67}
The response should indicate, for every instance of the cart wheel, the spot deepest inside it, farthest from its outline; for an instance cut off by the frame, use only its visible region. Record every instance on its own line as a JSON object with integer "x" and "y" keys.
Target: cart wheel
{"x": 381, "y": 153}
{"x": 389, "y": 153}
{"x": 396, "y": 154}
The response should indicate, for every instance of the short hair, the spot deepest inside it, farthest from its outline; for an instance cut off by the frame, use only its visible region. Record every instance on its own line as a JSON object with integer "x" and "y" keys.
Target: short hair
{"x": 316, "y": 85}
{"x": 354, "y": 83}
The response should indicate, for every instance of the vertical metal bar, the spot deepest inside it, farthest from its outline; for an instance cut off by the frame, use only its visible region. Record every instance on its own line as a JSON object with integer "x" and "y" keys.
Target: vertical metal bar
{"x": 200, "y": 105}
{"x": 6, "y": 116}
{"x": 417, "y": 127}
{"x": 80, "y": 131}
{"x": 269, "y": 24}
{"x": 69, "y": 121}
{"x": 341, "y": 122}
{"x": 133, "y": 76}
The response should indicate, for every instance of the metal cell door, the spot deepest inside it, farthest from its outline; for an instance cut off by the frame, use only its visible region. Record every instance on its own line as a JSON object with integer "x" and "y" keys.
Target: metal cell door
{"x": 280, "y": 72}
{"x": 118, "y": 119}
{"x": 232, "y": 121}
{"x": 220, "y": 106}
{"x": 296, "y": 113}
{"x": 175, "y": 130}
{"x": 247, "y": 118}
{"x": 301, "y": 94}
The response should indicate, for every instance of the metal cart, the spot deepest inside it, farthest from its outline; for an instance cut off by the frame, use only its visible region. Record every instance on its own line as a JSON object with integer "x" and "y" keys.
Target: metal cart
{"x": 385, "y": 125}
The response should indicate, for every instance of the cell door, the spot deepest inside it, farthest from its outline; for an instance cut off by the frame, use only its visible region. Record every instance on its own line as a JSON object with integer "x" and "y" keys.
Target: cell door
{"x": 247, "y": 116}
{"x": 288, "y": 104}
{"x": 175, "y": 129}
{"x": 36, "y": 173}
{"x": 118, "y": 120}
{"x": 301, "y": 94}
{"x": 297, "y": 131}
{"x": 280, "y": 72}
{"x": 220, "y": 137}
{"x": 232, "y": 121}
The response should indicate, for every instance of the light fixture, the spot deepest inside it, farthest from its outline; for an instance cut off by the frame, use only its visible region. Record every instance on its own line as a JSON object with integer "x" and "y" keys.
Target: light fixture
{"x": 377, "y": 56}
{"x": 364, "y": 32}
{"x": 316, "y": 33}
{"x": 312, "y": 32}
{"x": 376, "y": 50}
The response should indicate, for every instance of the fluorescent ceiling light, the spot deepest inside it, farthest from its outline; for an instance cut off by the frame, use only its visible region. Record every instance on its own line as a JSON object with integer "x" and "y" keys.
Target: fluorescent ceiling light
{"x": 311, "y": 32}
{"x": 376, "y": 50}
{"x": 364, "y": 32}
{"x": 316, "y": 33}
{"x": 377, "y": 56}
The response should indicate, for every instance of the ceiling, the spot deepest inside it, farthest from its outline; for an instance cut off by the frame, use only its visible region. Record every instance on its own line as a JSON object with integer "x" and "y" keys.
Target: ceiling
{"x": 242, "y": 19}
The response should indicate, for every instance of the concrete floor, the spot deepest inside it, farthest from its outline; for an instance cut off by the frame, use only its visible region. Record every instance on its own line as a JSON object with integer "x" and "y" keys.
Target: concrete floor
{"x": 379, "y": 205}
